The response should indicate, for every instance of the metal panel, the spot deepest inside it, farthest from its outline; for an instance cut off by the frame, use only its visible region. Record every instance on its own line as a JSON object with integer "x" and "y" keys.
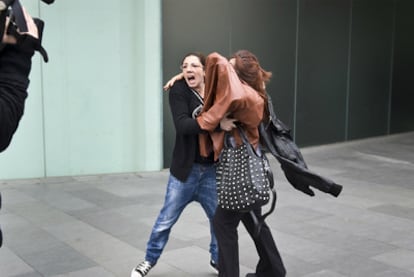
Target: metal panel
{"x": 402, "y": 115}
{"x": 270, "y": 33}
{"x": 322, "y": 71}
{"x": 335, "y": 62}
{"x": 370, "y": 68}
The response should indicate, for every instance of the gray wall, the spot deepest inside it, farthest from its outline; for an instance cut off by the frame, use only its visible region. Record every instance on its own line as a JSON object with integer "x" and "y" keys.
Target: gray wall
{"x": 342, "y": 68}
{"x": 402, "y": 97}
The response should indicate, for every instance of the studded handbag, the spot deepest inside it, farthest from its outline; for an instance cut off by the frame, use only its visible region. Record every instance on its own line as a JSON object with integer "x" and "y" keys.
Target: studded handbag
{"x": 242, "y": 176}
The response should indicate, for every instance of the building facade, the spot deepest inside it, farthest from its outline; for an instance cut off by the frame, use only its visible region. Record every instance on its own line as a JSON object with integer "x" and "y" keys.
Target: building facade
{"x": 342, "y": 70}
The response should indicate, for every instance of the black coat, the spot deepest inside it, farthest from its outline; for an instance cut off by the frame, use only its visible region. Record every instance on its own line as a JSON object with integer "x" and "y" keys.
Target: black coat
{"x": 184, "y": 105}
{"x": 15, "y": 67}
{"x": 276, "y": 139}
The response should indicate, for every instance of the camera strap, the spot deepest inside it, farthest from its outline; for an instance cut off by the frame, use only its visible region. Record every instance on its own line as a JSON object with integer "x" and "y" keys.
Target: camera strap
{"x": 3, "y": 13}
{"x": 2, "y": 24}
{"x": 17, "y": 13}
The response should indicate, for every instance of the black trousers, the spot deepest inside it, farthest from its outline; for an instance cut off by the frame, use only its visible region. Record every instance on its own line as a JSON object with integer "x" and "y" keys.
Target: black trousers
{"x": 225, "y": 226}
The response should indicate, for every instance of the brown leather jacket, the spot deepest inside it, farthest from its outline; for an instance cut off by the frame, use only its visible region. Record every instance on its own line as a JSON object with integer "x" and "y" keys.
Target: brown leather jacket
{"x": 226, "y": 93}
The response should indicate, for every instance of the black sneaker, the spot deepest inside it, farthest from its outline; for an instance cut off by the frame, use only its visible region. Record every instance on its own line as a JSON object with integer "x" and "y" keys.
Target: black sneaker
{"x": 214, "y": 266}
{"x": 141, "y": 270}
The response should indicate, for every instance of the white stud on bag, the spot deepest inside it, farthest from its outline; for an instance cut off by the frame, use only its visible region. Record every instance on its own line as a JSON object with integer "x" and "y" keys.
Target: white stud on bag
{"x": 241, "y": 172}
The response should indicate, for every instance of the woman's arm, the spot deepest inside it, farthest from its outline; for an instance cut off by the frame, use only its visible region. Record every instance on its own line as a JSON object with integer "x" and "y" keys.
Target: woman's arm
{"x": 15, "y": 66}
{"x": 171, "y": 82}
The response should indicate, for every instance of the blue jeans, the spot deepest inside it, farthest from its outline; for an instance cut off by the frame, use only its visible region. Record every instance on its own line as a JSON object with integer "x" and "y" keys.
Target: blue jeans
{"x": 200, "y": 186}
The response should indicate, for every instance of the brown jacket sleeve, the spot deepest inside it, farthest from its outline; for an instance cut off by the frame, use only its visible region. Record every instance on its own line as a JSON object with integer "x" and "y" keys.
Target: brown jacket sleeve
{"x": 226, "y": 93}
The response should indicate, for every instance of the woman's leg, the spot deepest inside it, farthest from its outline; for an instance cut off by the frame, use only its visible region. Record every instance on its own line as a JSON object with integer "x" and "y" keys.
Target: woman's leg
{"x": 225, "y": 227}
{"x": 270, "y": 262}
{"x": 177, "y": 197}
{"x": 207, "y": 197}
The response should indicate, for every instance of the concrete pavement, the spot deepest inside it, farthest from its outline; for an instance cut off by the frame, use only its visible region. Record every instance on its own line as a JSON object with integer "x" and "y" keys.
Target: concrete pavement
{"x": 99, "y": 225}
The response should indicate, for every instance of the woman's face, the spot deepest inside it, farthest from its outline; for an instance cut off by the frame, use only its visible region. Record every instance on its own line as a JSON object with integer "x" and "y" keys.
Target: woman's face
{"x": 193, "y": 72}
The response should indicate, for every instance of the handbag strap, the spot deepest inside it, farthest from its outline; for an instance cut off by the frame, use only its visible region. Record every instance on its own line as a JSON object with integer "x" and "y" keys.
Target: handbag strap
{"x": 242, "y": 134}
{"x": 259, "y": 221}
{"x": 281, "y": 127}
{"x": 229, "y": 141}
{"x": 246, "y": 141}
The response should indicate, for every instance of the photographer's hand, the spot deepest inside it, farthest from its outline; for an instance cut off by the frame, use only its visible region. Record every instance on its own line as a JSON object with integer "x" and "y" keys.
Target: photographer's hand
{"x": 8, "y": 39}
{"x": 31, "y": 26}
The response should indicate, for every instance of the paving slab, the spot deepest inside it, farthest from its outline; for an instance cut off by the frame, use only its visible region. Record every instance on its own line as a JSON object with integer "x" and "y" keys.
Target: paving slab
{"x": 99, "y": 225}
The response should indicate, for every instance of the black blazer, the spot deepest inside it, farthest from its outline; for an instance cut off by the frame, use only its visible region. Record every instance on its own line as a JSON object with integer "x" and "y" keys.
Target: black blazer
{"x": 183, "y": 103}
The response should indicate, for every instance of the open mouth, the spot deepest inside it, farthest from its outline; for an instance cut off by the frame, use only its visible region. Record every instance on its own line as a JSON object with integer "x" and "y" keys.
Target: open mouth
{"x": 191, "y": 80}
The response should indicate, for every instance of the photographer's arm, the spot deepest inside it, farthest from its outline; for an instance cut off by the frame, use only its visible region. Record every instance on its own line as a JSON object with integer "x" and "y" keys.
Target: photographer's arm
{"x": 15, "y": 66}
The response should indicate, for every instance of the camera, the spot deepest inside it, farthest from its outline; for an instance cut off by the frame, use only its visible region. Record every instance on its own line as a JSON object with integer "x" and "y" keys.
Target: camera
{"x": 18, "y": 25}
{"x": 13, "y": 8}
{"x": 4, "y": 4}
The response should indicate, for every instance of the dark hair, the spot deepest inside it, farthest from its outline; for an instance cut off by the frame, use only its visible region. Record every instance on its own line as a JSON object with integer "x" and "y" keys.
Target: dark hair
{"x": 248, "y": 69}
{"x": 199, "y": 55}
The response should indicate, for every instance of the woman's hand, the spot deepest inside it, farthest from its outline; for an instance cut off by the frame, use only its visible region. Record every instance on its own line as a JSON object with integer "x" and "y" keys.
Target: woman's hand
{"x": 227, "y": 124}
{"x": 171, "y": 82}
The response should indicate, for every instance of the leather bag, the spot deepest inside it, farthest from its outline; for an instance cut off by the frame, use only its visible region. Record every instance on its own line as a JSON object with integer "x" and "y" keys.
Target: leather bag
{"x": 242, "y": 176}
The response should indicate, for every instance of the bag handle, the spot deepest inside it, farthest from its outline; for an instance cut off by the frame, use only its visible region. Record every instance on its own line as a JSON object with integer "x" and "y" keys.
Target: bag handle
{"x": 242, "y": 134}
{"x": 246, "y": 141}
{"x": 259, "y": 221}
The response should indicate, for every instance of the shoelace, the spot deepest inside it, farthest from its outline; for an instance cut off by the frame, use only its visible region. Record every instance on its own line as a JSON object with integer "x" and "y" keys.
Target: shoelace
{"x": 143, "y": 267}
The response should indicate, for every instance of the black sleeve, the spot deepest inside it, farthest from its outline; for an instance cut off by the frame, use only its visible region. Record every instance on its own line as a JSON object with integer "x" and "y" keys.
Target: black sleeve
{"x": 15, "y": 68}
{"x": 179, "y": 98}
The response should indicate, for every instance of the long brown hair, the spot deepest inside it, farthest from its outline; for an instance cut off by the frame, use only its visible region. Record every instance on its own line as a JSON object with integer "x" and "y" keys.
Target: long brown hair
{"x": 248, "y": 69}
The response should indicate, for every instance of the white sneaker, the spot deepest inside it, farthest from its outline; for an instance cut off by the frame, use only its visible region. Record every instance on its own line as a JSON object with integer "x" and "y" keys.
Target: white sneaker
{"x": 141, "y": 270}
{"x": 214, "y": 266}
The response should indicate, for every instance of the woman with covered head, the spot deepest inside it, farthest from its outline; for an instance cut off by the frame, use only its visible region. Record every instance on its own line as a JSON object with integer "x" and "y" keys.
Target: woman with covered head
{"x": 235, "y": 88}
